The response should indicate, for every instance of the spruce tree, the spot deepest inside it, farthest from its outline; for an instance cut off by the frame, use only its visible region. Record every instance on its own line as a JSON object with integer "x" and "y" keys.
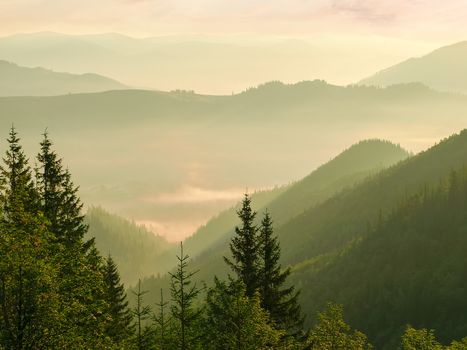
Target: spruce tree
{"x": 280, "y": 301}
{"x": 244, "y": 248}
{"x": 19, "y": 194}
{"x": 59, "y": 197}
{"x": 81, "y": 281}
{"x": 141, "y": 313}
{"x": 29, "y": 299}
{"x": 234, "y": 321}
{"x": 184, "y": 294}
{"x": 119, "y": 329}
{"x": 162, "y": 323}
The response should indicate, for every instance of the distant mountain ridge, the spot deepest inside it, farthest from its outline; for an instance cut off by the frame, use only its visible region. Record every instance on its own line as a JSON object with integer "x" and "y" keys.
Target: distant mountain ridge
{"x": 444, "y": 69}
{"x": 16, "y": 80}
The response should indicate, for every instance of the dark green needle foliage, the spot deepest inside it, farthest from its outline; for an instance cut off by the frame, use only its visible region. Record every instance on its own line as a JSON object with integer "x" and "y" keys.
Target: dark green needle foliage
{"x": 29, "y": 298}
{"x": 141, "y": 314}
{"x": 184, "y": 313}
{"x": 279, "y": 300}
{"x": 163, "y": 325}
{"x": 120, "y": 327}
{"x": 234, "y": 321}
{"x": 245, "y": 247}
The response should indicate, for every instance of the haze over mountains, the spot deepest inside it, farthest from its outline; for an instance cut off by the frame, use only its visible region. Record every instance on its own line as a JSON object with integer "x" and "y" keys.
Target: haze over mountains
{"x": 206, "y": 64}
{"x": 443, "y": 69}
{"x": 341, "y": 246}
{"x": 166, "y": 174}
{"x": 172, "y": 160}
{"x": 22, "y": 81}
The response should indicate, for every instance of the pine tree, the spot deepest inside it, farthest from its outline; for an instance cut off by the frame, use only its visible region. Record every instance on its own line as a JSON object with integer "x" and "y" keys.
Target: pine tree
{"x": 184, "y": 314}
{"x": 281, "y": 302}
{"x": 18, "y": 191}
{"x": 81, "y": 281}
{"x": 234, "y": 321}
{"x": 59, "y": 197}
{"x": 244, "y": 248}
{"x": 162, "y": 323}
{"x": 141, "y": 313}
{"x": 29, "y": 299}
{"x": 119, "y": 329}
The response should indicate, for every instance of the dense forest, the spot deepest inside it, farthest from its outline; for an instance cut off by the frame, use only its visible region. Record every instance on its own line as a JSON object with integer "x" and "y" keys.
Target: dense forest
{"x": 136, "y": 250}
{"x": 406, "y": 269}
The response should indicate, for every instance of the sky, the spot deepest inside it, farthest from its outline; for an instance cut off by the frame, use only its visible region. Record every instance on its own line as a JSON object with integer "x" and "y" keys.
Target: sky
{"x": 415, "y": 20}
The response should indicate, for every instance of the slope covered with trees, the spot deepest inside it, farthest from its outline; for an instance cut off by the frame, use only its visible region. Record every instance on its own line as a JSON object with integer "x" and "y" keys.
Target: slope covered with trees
{"x": 134, "y": 249}
{"x": 350, "y": 167}
{"x": 342, "y": 249}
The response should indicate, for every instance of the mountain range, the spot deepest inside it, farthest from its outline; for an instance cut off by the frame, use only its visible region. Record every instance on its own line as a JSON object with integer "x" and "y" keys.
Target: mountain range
{"x": 376, "y": 245}
{"x": 443, "y": 69}
{"x": 186, "y": 156}
{"x": 22, "y": 81}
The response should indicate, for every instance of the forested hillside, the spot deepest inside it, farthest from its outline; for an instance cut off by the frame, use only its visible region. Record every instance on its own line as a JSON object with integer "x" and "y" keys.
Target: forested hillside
{"x": 409, "y": 268}
{"x": 341, "y": 242}
{"x": 135, "y": 250}
{"x": 179, "y": 144}
{"x": 350, "y": 167}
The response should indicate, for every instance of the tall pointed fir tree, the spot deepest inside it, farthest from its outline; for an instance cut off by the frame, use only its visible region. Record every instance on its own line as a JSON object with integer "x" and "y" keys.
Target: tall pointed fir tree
{"x": 119, "y": 329}
{"x": 184, "y": 313}
{"x": 280, "y": 301}
{"x": 244, "y": 248}
{"x": 29, "y": 299}
{"x": 81, "y": 278}
{"x": 162, "y": 324}
{"x": 141, "y": 314}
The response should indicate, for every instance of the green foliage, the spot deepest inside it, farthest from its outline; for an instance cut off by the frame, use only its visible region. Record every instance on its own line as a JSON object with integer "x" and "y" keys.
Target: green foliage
{"x": 184, "y": 314}
{"x": 234, "y": 321}
{"x": 141, "y": 313}
{"x": 332, "y": 333}
{"x": 245, "y": 248}
{"x": 422, "y": 339}
{"x": 281, "y": 302}
{"x": 137, "y": 251}
{"x": 119, "y": 328}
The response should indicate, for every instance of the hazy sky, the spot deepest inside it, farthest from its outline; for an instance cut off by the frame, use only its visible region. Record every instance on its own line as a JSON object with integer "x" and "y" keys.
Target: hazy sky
{"x": 436, "y": 20}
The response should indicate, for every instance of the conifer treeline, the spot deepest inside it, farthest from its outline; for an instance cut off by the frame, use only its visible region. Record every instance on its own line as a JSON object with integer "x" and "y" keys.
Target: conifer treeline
{"x": 57, "y": 292}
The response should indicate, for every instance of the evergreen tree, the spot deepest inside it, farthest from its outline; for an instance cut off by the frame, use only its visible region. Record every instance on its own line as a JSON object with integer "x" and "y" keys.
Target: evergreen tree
{"x": 81, "y": 281}
{"x": 18, "y": 191}
{"x": 281, "y": 302}
{"x": 184, "y": 314}
{"x": 234, "y": 321}
{"x": 141, "y": 313}
{"x": 29, "y": 298}
{"x": 60, "y": 202}
{"x": 244, "y": 248}
{"x": 119, "y": 329}
{"x": 162, "y": 323}
{"x": 332, "y": 333}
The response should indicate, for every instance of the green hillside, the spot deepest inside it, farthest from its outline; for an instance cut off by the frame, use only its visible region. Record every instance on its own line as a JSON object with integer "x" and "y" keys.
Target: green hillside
{"x": 443, "y": 69}
{"x": 378, "y": 246}
{"x": 136, "y": 250}
{"x": 220, "y": 139}
{"x": 210, "y": 242}
{"x": 22, "y": 81}
{"x": 410, "y": 268}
